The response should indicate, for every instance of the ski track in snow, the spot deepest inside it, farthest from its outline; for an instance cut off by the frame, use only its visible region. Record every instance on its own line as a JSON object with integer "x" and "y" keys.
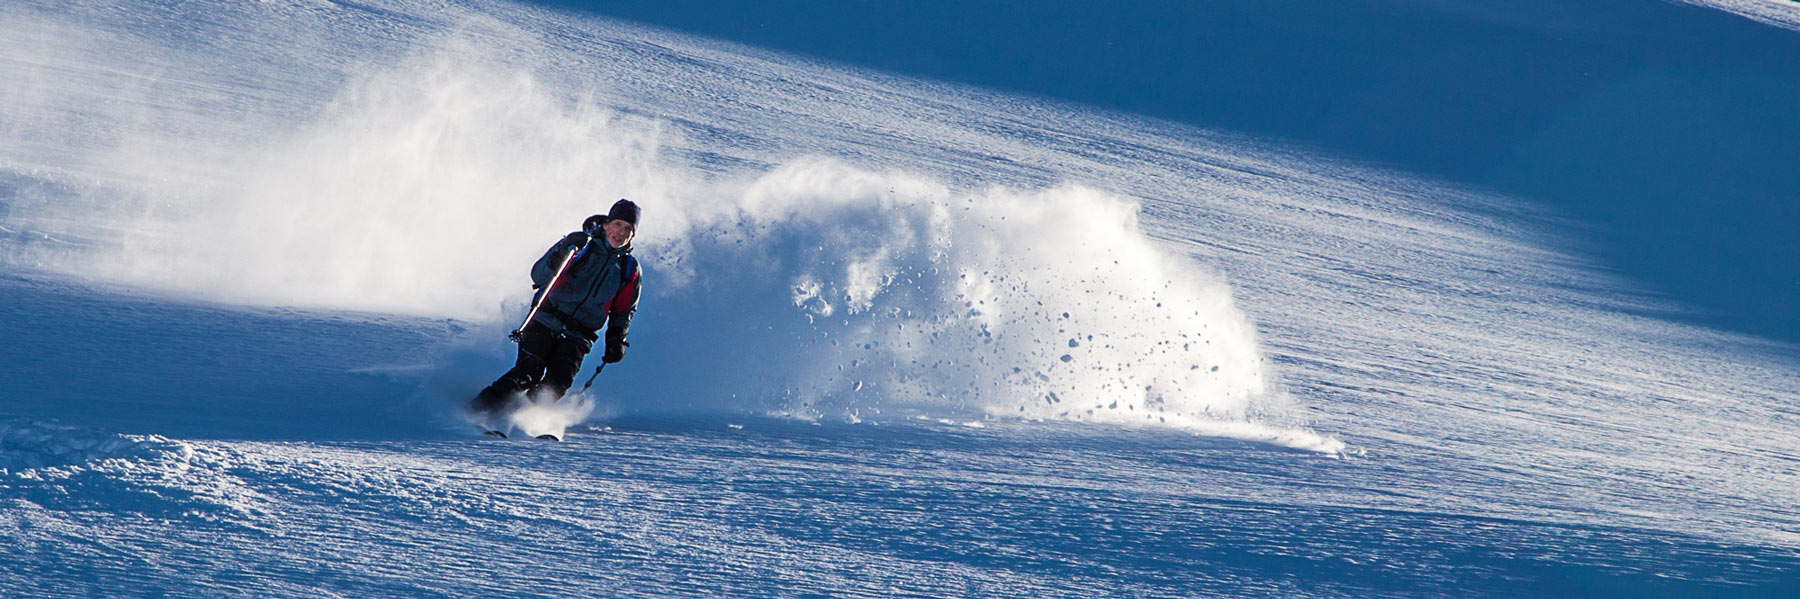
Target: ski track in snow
{"x": 1516, "y": 424}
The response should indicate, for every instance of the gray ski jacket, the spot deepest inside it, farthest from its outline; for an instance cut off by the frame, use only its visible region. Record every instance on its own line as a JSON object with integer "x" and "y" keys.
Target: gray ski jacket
{"x": 598, "y": 289}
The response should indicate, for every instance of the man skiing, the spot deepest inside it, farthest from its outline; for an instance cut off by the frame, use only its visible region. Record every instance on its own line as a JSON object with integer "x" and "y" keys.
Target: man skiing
{"x": 587, "y": 280}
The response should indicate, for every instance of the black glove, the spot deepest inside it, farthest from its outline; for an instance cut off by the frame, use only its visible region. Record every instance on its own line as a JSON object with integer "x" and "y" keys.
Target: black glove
{"x": 573, "y": 240}
{"x": 615, "y": 346}
{"x": 561, "y": 251}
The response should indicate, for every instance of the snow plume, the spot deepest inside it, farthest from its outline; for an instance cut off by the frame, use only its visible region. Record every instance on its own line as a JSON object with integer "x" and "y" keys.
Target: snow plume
{"x": 866, "y": 295}
{"x": 427, "y": 177}
{"x": 407, "y": 197}
{"x": 547, "y": 417}
{"x": 396, "y": 185}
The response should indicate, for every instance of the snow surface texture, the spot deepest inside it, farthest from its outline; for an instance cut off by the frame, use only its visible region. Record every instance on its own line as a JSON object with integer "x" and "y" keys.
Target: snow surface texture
{"x": 838, "y": 264}
{"x": 1779, "y": 13}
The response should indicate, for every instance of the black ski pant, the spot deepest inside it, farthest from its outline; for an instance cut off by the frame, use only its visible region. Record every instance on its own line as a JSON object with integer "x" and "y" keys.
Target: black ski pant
{"x": 546, "y": 368}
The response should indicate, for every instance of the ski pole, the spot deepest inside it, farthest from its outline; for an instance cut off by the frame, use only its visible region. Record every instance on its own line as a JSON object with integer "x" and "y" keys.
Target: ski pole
{"x": 517, "y": 334}
{"x": 590, "y": 382}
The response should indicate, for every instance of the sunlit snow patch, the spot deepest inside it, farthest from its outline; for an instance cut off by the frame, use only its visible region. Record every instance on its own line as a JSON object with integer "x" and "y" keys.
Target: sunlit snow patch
{"x": 27, "y": 445}
{"x": 56, "y": 475}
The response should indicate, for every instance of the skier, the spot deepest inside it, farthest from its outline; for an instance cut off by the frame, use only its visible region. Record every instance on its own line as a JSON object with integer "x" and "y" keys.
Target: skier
{"x": 598, "y": 287}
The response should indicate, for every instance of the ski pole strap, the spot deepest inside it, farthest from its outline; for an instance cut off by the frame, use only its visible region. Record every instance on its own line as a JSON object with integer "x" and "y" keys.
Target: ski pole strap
{"x": 590, "y": 381}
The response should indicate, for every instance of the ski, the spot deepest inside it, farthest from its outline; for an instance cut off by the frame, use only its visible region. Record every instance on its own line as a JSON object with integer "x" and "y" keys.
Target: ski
{"x": 502, "y": 435}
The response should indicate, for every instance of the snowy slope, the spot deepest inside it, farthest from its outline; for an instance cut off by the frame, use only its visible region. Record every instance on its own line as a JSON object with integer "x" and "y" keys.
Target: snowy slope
{"x": 1779, "y": 13}
{"x": 900, "y": 338}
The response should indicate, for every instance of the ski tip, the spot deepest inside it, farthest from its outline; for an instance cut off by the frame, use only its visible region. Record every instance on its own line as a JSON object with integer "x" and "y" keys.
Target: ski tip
{"x": 495, "y": 434}
{"x": 548, "y": 437}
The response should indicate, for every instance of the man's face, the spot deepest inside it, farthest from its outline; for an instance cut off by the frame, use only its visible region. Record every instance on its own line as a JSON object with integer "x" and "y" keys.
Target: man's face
{"x": 618, "y": 233}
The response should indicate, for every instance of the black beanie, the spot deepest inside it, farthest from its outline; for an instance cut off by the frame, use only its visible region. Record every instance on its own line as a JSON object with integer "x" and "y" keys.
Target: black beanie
{"x": 624, "y": 210}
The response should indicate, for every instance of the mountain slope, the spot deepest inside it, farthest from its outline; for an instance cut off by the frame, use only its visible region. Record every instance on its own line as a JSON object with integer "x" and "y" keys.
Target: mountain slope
{"x": 900, "y": 338}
